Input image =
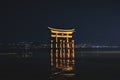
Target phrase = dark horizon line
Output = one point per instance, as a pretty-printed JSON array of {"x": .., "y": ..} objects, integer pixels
[{"x": 76, "y": 42}]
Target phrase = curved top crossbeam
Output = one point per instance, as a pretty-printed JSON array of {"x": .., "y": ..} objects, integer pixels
[{"x": 62, "y": 30}]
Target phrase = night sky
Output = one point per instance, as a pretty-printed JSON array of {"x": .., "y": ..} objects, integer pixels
[{"x": 28, "y": 20}]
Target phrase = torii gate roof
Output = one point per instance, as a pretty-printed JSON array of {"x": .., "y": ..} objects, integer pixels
[{"x": 62, "y": 30}]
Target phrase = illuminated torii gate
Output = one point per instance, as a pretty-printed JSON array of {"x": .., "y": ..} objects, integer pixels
[{"x": 62, "y": 48}]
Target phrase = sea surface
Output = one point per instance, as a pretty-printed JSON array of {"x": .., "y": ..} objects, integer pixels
[{"x": 89, "y": 65}]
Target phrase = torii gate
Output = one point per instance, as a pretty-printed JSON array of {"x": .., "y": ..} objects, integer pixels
[{"x": 62, "y": 48}]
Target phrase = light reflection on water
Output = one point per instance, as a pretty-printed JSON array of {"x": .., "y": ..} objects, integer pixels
[{"x": 62, "y": 65}]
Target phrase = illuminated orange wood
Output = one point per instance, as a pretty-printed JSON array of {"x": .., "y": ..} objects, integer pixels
[{"x": 62, "y": 48}]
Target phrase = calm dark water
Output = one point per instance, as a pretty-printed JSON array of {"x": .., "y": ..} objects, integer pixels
[
  {"x": 95, "y": 65},
  {"x": 88, "y": 66},
  {"x": 25, "y": 68}
]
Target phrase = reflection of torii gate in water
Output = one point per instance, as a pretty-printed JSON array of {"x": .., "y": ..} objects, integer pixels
[{"x": 62, "y": 49}]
